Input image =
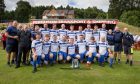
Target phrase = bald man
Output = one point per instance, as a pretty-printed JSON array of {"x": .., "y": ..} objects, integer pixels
[
  {"x": 118, "y": 43},
  {"x": 128, "y": 42},
  {"x": 12, "y": 42}
]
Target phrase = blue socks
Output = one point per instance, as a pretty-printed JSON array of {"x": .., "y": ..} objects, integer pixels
[{"x": 34, "y": 64}]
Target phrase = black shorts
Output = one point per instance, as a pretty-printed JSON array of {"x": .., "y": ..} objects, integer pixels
[
  {"x": 118, "y": 47},
  {"x": 127, "y": 50},
  {"x": 11, "y": 48}
]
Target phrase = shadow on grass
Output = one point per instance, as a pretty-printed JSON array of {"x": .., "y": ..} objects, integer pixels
[{"x": 67, "y": 68}]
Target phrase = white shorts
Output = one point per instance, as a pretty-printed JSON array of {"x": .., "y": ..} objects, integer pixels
[{"x": 111, "y": 47}]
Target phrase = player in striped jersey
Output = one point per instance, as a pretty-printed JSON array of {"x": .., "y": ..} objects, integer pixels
[
  {"x": 71, "y": 33},
  {"x": 62, "y": 32},
  {"x": 34, "y": 32},
  {"x": 37, "y": 51},
  {"x": 81, "y": 45},
  {"x": 88, "y": 33},
  {"x": 72, "y": 54},
  {"x": 79, "y": 32},
  {"x": 53, "y": 32},
  {"x": 96, "y": 33},
  {"x": 103, "y": 50},
  {"x": 46, "y": 50},
  {"x": 45, "y": 31},
  {"x": 54, "y": 49},
  {"x": 103, "y": 32},
  {"x": 92, "y": 51},
  {"x": 63, "y": 44}
]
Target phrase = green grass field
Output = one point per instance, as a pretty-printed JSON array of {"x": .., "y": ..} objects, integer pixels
[{"x": 120, "y": 74}]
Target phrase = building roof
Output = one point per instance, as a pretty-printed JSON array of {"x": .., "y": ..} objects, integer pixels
[{"x": 59, "y": 12}]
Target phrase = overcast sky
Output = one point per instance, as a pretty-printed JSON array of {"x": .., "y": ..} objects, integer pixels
[{"x": 101, "y": 4}]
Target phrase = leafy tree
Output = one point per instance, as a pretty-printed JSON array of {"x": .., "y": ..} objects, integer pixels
[
  {"x": 22, "y": 11},
  {"x": 2, "y": 7},
  {"x": 131, "y": 17},
  {"x": 117, "y": 7}
]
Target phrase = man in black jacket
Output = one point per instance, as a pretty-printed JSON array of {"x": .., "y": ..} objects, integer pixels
[
  {"x": 24, "y": 45},
  {"x": 118, "y": 43},
  {"x": 128, "y": 42}
]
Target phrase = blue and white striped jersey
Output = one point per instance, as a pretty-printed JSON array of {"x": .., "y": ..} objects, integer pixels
[
  {"x": 88, "y": 34},
  {"x": 37, "y": 45},
  {"x": 103, "y": 46},
  {"x": 72, "y": 34},
  {"x": 78, "y": 33},
  {"x": 71, "y": 49},
  {"x": 62, "y": 32},
  {"x": 44, "y": 32},
  {"x": 81, "y": 46},
  {"x": 92, "y": 47},
  {"x": 63, "y": 46},
  {"x": 52, "y": 33},
  {"x": 54, "y": 46},
  {"x": 46, "y": 47}
]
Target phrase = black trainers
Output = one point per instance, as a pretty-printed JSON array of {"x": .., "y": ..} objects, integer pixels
[
  {"x": 35, "y": 70},
  {"x": 24, "y": 63},
  {"x": 17, "y": 66}
]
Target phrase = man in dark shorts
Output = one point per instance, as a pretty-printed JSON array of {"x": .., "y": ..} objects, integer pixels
[
  {"x": 12, "y": 42},
  {"x": 23, "y": 45},
  {"x": 117, "y": 43},
  {"x": 128, "y": 42}
]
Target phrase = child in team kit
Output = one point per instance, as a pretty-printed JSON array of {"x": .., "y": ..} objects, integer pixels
[
  {"x": 92, "y": 51},
  {"x": 63, "y": 44},
  {"x": 54, "y": 49},
  {"x": 81, "y": 46},
  {"x": 110, "y": 40},
  {"x": 36, "y": 51},
  {"x": 72, "y": 54}
]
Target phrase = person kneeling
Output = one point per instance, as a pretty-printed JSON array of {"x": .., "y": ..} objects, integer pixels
[{"x": 37, "y": 52}]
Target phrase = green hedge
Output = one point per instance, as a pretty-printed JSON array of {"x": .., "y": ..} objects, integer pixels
[{"x": 131, "y": 17}]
